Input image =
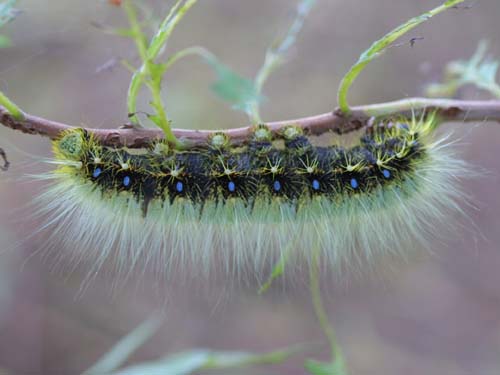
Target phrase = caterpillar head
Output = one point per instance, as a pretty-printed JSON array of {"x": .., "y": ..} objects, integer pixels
[{"x": 71, "y": 145}]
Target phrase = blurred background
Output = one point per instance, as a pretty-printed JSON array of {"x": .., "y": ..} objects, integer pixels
[{"x": 435, "y": 315}]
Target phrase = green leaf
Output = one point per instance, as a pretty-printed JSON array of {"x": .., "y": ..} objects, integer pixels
[
  {"x": 234, "y": 359},
  {"x": 124, "y": 32},
  {"x": 188, "y": 362},
  {"x": 245, "y": 94},
  {"x": 233, "y": 88},
  {"x": 151, "y": 73},
  {"x": 125, "y": 347},
  {"x": 379, "y": 46},
  {"x": 179, "y": 364},
  {"x": 479, "y": 70},
  {"x": 177, "y": 12},
  {"x": 275, "y": 54},
  {"x": 324, "y": 368},
  {"x": 184, "y": 363},
  {"x": 7, "y": 12},
  {"x": 4, "y": 41}
]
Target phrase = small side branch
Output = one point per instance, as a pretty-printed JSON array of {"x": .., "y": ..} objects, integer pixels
[{"x": 336, "y": 121}]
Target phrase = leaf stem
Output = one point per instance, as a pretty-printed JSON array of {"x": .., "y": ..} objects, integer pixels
[
  {"x": 235, "y": 360},
  {"x": 190, "y": 51},
  {"x": 138, "y": 77},
  {"x": 319, "y": 310},
  {"x": 12, "y": 108},
  {"x": 279, "y": 267}
]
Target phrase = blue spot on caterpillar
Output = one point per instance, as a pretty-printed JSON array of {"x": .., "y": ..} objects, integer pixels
[
  {"x": 179, "y": 186},
  {"x": 315, "y": 185},
  {"x": 290, "y": 194},
  {"x": 97, "y": 172},
  {"x": 354, "y": 183},
  {"x": 126, "y": 181}
]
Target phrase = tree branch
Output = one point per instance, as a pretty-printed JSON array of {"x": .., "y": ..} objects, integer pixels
[{"x": 336, "y": 121}]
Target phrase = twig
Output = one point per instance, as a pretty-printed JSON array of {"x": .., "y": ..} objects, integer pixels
[
  {"x": 6, "y": 163},
  {"x": 450, "y": 110}
]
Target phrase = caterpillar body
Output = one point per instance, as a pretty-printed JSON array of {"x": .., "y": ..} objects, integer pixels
[{"x": 247, "y": 205}]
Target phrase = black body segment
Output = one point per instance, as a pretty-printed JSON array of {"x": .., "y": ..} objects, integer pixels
[{"x": 294, "y": 172}]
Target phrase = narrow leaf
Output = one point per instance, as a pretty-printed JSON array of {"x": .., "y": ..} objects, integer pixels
[
  {"x": 190, "y": 362},
  {"x": 168, "y": 25},
  {"x": 324, "y": 368},
  {"x": 178, "y": 364},
  {"x": 379, "y": 46},
  {"x": 125, "y": 347},
  {"x": 233, "y": 88}
]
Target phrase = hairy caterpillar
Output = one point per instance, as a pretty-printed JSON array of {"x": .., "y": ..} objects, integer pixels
[{"x": 248, "y": 204}]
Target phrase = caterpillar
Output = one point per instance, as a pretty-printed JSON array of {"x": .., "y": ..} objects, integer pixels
[{"x": 247, "y": 205}]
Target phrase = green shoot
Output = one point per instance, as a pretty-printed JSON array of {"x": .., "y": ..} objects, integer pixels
[
  {"x": 244, "y": 94},
  {"x": 275, "y": 55},
  {"x": 479, "y": 70},
  {"x": 279, "y": 268},
  {"x": 379, "y": 47},
  {"x": 151, "y": 72},
  {"x": 278, "y": 271},
  {"x": 13, "y": 109},
  {"x": 337, "y": 364}
]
